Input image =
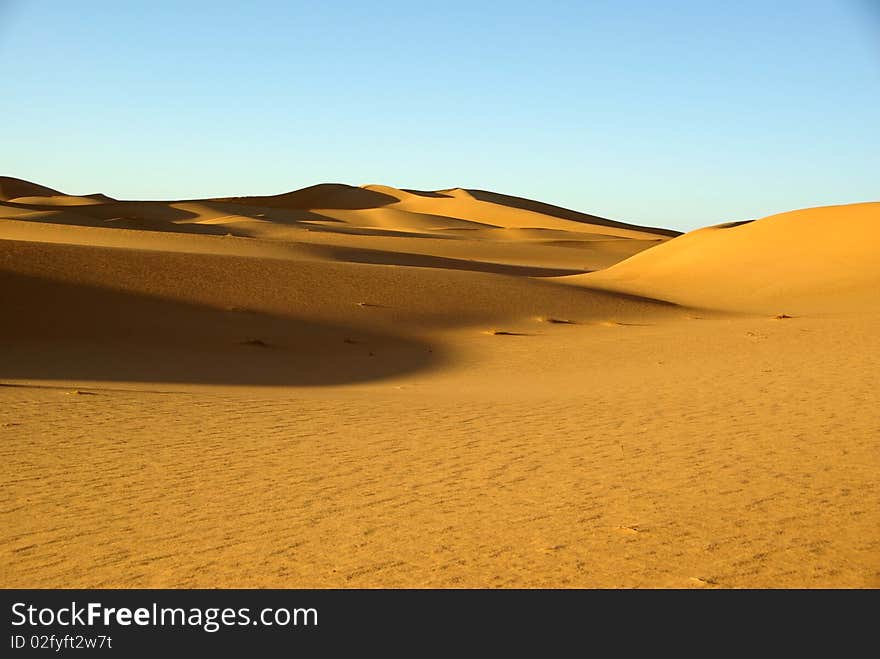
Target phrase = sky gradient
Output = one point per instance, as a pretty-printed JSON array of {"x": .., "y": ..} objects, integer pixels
[{"x": 678, "y": 114}]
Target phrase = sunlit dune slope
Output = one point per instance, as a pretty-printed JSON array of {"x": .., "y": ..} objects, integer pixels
[{"x": 805, "y": 261}]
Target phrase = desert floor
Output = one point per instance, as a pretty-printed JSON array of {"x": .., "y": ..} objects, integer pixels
[{"x": 370, "y": 387}]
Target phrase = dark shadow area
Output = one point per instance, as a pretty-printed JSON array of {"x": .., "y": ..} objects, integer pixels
[
  {"x": 562, "y": 213},
  {"x": 379, "y": 257},
  {"x": 101, "y": 197},
  {"x": 591, "y": 243},
  {"x": 364, "y": 231},
  {"x": 11, "y": 187},
  {"x": 160, "y": 216},
  {"x": 139, "y": 224},
  {"x": 52, "y": 330},
  {"x": 159, "y": 211},
  {"x": 732, "y": 225},
  {"x": 143, "y": 211},
  {"x": 632, "y": 297},
  {"x": 102, "y": 216},
  {"x": 428, "y": 193},
  {"x": 324, "y": 195}
]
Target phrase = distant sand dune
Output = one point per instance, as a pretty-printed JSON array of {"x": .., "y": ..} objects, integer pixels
[
  {"x": 323, "y": 195},
  {"x": 452, "y": 224}
]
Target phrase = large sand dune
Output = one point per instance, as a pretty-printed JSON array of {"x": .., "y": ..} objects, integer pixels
[
  {"x": 815, "y": 260},
  {"x": 367, "y": 386}
]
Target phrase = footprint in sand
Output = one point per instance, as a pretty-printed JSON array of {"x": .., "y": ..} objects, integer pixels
[
  {"x": 555, "y": 321},
  {"x": 619, "y": 323},
  {"x": 629, "y": 530},
  {"x": 553, "y": 549},
  {"x": 258, "y": 343}
]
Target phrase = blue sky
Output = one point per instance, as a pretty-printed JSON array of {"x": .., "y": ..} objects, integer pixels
[{"x": 680, "y": 113}]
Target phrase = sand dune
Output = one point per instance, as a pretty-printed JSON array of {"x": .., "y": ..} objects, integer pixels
[
  {"x": 476, "y": 206},
  {"x": 368, "y": 386},
  {"x": 814, "y": 260},
  {"x": 444, "y": 210},
  {"x": 11, "y": 188},
  {"x": 63, "y": 200},
  {"x": 447, "y": 224}
]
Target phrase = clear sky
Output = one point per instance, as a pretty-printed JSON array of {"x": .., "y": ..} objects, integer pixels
[{"x": 679, "y": 113}]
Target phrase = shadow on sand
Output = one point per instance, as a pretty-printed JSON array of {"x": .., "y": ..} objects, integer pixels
[{"x": 52, "y": 330}]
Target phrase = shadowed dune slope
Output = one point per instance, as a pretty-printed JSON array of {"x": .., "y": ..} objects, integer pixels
[
  {"x": 556, "y": 211},
  {"x": 11, "y": 188},
  {"x": 57, "y": 330},
  {"x": 323, "y": 195},
  {"x": 805, "y": 261}
]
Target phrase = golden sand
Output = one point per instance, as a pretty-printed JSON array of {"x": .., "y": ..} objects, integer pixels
[{"x": 372, "y": 387}]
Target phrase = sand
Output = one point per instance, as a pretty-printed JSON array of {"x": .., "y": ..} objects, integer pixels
[{"x": 370, "y": 387}]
